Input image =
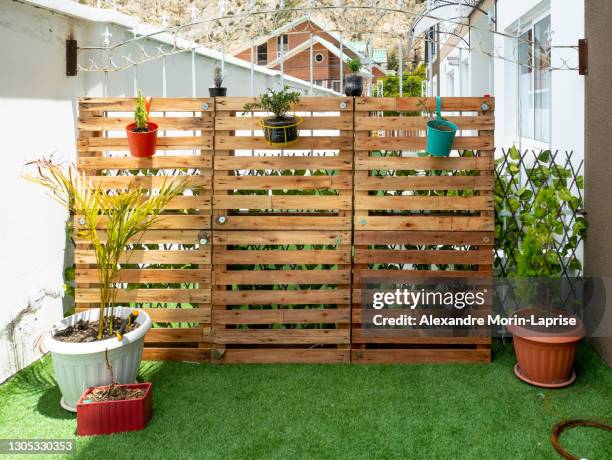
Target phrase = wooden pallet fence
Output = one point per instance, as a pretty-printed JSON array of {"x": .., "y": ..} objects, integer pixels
[
  {"x": 420, "y": 216},
  {"x": 282, "y": 236},
  {"x": 169, "y": 274}
]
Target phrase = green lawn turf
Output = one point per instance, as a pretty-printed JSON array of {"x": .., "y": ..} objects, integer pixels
[{"x": 332, "y": 411}]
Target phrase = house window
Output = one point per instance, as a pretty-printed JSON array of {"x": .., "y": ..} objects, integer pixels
[
  {"x": 336, "y": 86},
  {"x": 319, "y": 57},
  {"x": 262, "y": 54},
  {"x": 534, "y": 81},
  {"x": 282, "y": 44}
]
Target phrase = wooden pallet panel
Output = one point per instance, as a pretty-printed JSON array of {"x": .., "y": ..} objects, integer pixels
[
  {"x": 424, "y": 217},
  {"x": 282, "y": 218},
  {"x": 169, "y": 274}
]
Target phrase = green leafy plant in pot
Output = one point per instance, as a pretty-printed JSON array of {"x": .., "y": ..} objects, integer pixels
[
  {"x": 142, "y": 134},
  {"x": 111, "y": 222},
  {"x": 280, "y": 129},
  {"x": 545, "y": 355},
  {"x": 354, "y": 82},
  {"x": 218, "y": 89}
]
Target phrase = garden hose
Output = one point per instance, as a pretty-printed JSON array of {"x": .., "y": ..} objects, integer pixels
[
  {"x": 566, "y": 424},
  {"x": 127, "y": 322}
]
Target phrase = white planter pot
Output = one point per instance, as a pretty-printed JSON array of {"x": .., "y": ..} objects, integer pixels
[{"x": 79, "y": 366}]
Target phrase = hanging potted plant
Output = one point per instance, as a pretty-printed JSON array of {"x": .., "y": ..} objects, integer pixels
[
  {"x": 440, "y": 132},
  {"x": 280, "y": 129},
  {"x": 218, "y": 89},
  {"x": 78, "y": 343},
  {"x": 545, "y": 354},
  {"x": 142, "y": 134},
  {"x": 354, "y": 82}
]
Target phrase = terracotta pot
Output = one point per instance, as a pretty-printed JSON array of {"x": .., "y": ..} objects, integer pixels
[
  {"x": 142, "y": 144},
  {"x": 545, "y": 359}
]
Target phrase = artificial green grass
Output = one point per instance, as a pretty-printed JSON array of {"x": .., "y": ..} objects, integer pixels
[{"x": 332, "y": 411}]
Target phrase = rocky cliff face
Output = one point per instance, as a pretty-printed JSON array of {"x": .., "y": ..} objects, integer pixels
[{"x": 385, "y": 29}]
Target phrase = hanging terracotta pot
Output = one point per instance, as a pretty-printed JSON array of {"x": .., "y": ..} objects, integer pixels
[{"x": 143, "y": 143}]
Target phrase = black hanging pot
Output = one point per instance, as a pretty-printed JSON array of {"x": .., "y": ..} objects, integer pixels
[
  {"x": 354, "y": 85},
  {"x": 214, "y": 91},
  {"x": 281, "y": 131}
]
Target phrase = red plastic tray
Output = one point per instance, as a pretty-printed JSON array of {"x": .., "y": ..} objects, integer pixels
[{"x": 115, "y": 416}]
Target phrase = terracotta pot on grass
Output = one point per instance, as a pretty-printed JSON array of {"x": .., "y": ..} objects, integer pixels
[
  {"x": 142, "y": 143},
  {"x": 545, "y": 359},
  {"x": 108, "y": 417}
]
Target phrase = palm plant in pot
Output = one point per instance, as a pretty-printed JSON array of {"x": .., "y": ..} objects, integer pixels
[
  {"x": 545, "y": 354},
  {"x": 354, "y": 82},
  {"x": 280, "y": 129},
  {"x": 218, "y": 89},
  {"x": 142, "y": 134},
  {"x": 78, "y": 343}
]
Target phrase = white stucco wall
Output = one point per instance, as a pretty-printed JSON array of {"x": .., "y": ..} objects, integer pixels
[{"x": 37, "y": 117}]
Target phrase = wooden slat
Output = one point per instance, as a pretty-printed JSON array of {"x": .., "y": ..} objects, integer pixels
[
  {"x": 149, "y": 275},
  {"x": 163, "y": 143},
  {"x": 281, "y": 182},
  {"x": 419, "y": 203},
  {"x": 167, "y": 222},
  {"x": 418, "y": 122},
  {"x": 187, "y": 123},
  {"x": 424, "y": 183},
  {"x": 174, "y": 335},
  {"x": 412, "y": 104},
  {"x": 196, "y": 355},
  {"x": 422, "y": 355},
  {"x": 307, "y": 104},
  {"x": 283, "y": 316},
  {"x": 284, "y": 355},
  {"x": 147, "y": 295},
  {"x": 422, "y": 237},
  {"x": 149, "y": 182},
  {"x": 156, "y": 162},
  {"x": 414, "y": 163},
  {"x": 283, "y": 277},
  {"x": 160, "y": 236},
  {"x": 280, "y": 202},
  {"x": 309, "y": 123},
  {"x": 435, "y": 223},
  {"x": 418, "y": 143},
  {"x": 282, "y": 162},
  {"x": 294, "y": 297},
  {"x": 158, "y": 104},
  {"x": 150, "y": 257},
  {"x": 281, "y": 237},
  {"x": 302, "y": 143},
  {"x": 282, "y": 336},
  {"x": 297, "y": 222},
  {"x": 300, "y": 257},
  {"x": 414, "y": 256}
]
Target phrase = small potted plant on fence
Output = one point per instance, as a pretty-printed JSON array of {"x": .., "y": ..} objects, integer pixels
[
  {"x": 440, "y": 132},
  {"x": 280, "y": 129},
  {"x": 114, "y": 408},
  {"x": 142, "y": 134},
  {"x": 78, "y": 343},
  {"x": 218, "y": 89},
  {"x": 354, "y": 82},
  {"x": 545, "y": 354}
]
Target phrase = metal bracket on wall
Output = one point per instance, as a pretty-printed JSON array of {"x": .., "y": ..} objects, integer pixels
[
  {"x": 71, "y": 57},
  {"x": 583, "y": 56}
]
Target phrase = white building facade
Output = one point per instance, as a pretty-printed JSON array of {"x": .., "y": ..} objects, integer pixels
[{"x": 519, "y": 52}]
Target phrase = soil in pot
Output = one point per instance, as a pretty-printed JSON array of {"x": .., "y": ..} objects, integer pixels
[
  {"x": 441, "y": 126},
  {"x": 87, "y": 331},
  {"x": 115, "y": 393},
  {"x": 281, "y": 130}
]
